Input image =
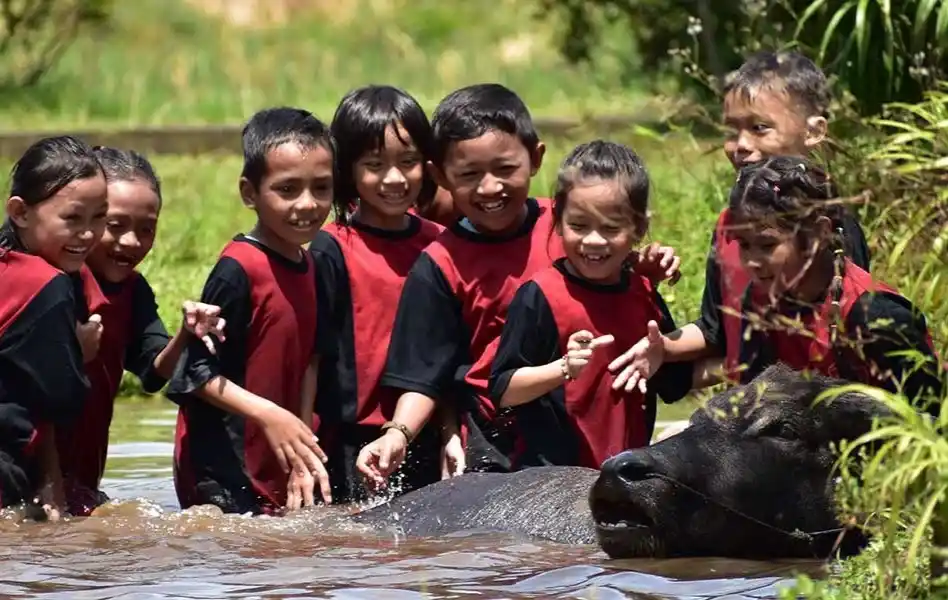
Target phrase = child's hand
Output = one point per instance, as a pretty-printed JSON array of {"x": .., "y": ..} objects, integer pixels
[
  {"x": 580, "y": 348},
  {"x": 299, "y": 490},
  {"x": 203, "y": 320},
  {"x": 453, "y": 461},
  {"x": 89, "y": 334},
  {"x": 382, "y": 457},
  {"x": 658, "y": 263},
  {"x": 640, "y": 362},
  {"x": 295, "y": 445}
]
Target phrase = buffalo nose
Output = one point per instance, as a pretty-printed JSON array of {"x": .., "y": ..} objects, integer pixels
[{"x": 631, "y": 465}]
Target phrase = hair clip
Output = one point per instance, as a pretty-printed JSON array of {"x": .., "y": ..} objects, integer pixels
[
  {"x": 776, "y": 189},
  {"x": 802, "y": 167}
]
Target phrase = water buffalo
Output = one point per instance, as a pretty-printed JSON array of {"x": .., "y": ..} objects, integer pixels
[{"x": 751, "y": 477}]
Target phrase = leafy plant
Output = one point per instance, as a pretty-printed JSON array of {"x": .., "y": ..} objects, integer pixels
[{"x": 34, "y": 34}]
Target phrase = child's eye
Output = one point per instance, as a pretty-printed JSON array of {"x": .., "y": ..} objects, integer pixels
[
  {"x": 761, "y": 128},
  {"x": 373, "y": 165}
]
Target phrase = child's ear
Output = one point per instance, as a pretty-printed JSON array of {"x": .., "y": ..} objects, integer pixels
[
  {"x": 18, "y": 211},
  {"x": 816, "y": 130},
  {"x": 437, "y": 174},
  {"x": 248, "y": 192},
  {"x": 536, "y": 158}
]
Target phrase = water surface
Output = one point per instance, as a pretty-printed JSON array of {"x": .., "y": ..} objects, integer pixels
[{"x": 148, "y": 548}]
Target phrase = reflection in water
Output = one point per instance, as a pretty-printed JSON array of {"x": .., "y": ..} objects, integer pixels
[{"x": 142, "y": 546}]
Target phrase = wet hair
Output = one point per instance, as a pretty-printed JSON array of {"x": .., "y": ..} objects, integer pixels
[
  {"x": 47, "y": 166},
  {"x": 472, "y": 111},
  {"x": 787, "y": 192},
  {"x": 606, "y": 161},
  {"x": 359, "y": 127},
  {"x": 783, "y": 71},
  {"x": 128, "y": 165},
  {"x": 271, "y": 127}
]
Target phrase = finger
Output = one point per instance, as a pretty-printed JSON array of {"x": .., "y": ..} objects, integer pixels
[
  {"x": 622, "y": 360},
  {"x": 643, "y": 385},
  {"x": 675, "y": 265},
  {"x": 668, "y": 256},
  {"x": 309, "y": 498},
  {"x": 385, "y": 458},
  {"x": 582, "y": 337},
  {"x": 293, "y": 461},
  {"x": 621, "y": 378},
  {"x": 97, "y": 319},
  {"x": 312, "y": 442},
  {"x": 459, "y": 465},
  {"x": 632, "y": 382},
  {"x": 308, "y": 460},
  {"x": 603, "y": 340},
  {"x": 292, "y": 497},
  {"x": 577, "y": 355},
  {"x": 209, "y": 343},
  {"x": 654, "y": 333},
  {"x": 322, "y": 480}
]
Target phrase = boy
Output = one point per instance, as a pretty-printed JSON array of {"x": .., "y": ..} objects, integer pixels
[
  {"x": 454, "y": 302},
  {"x": 239, "y": 429},
  {"x": 775, "y": 104}
]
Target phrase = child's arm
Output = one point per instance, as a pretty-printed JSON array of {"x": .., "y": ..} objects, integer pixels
[
  {"x": 150, "y": 354},
  {"x": 895, "y": 337},
  {"x": 528, "y": 363},
  {"x": 427, "y": 345},
  {"x": 199, "y": 374},
  {"x": 52, "y": 495}
]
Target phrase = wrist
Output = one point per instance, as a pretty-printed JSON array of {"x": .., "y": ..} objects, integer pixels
[
  {"x": 563, "y": 364},
  {"x": 394, "y": 428}
]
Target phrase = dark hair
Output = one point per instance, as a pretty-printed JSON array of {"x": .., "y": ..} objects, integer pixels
[
  {"x": 788, "y": 192},
  {"x": 607, "y": 161},
  {"x": 791, "y": 72},
  {"x": 47, "y": 166},
  {"x": 472, "y": 111},
  {"x": 127, "y": 165},
  {"x": 359, "y": 127},
  {"x": 272, "y": 127}
]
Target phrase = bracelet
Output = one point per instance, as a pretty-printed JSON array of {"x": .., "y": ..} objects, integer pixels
[
  {"x": 564, "y": 367},
  {"x": 403, "y": 428}
]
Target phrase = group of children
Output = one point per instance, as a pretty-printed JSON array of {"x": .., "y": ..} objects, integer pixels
[{"x": 324, "y": 359}]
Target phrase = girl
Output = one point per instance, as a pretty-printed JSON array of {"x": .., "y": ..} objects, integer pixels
[
  {"x": 55, "y": 214},
  {"x": 133, "y": 336},
  {"x": 563, "y": 323},
  {"x": 384, "y": 140},
  {"x": 808, "y": 305}
]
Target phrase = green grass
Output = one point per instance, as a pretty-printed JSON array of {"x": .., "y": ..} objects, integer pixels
[{"x": 165, "y": 62}]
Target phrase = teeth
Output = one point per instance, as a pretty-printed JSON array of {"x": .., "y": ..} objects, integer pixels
[
  {"x": 492, "y": 206},
  {"x": 595, "y": 258},
  {"x": 301, "y": 224},
  {"x": 75, "y": 249}
]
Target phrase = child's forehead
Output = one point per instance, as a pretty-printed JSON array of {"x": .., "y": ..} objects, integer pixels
[
  {"x": 493, "y": 144},
  {"x": 293, "y": 155},
  {"x": 771, "y": 99}
]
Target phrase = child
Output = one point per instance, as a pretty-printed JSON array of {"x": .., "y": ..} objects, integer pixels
[
  {"x": 383, "y": 140},
  {"x": 133, "y": 336},
  {"x": 55, "y": 214},
  {"x": 454, "y": 301},
  {"x": 239, "y": 424},
  {"x": 808, "y": 305},
  {"x": 563, "y": 323},
  {"x": 775, "y": 104}
]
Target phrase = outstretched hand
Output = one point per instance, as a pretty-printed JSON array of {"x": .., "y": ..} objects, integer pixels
[
  {"x": 580, "y": 348},
  {"x": 658, "y": 263},
  {"x": 203, "y": 320},
  {"x": 637, "y": 364}
]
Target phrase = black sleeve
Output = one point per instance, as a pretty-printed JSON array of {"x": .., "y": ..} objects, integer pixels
[
  {"x": 148, "y": 338},
  {"x": 429, "y": 339},
  {"x": 672, "y": 381},
  {"x": 41, "y": 356},
  {"x": 229, "y": 288},
  {"x": 891, "y": 324},
  {"x": 855, "y": 240},
  {"x": 709, "y": 322},
  {"x": 330, "y": 267},
  {"x": 529, "y": 339}
]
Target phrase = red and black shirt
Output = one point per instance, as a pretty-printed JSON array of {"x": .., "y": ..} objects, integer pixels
[
  {"x": 268, "y": 302},
  {"x": 453, "y": 307},
  {"x": 876, "y": 324},
  {"x": 585, "y": 421},
  {"x": 42, "y": 380},
  {"x": 132, "y": 337},
  {"x": 726, "y": 279}
]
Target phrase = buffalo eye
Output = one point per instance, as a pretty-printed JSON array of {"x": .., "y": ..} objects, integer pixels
[{"x": 781, "y": 430}]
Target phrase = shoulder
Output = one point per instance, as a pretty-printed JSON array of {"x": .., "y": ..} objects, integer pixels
[
  {"x": 429, "y": 230},
  {"x": 29, "y": 271},
  {"x": 885, "y": 310},
  {"x": 326, "y": 243}
]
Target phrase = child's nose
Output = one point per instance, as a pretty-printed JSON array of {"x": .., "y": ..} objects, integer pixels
[
  {"x": 489, "y": 186},
  {"x": 393, "y": 176}
]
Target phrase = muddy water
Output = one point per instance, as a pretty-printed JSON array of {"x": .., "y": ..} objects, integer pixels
[{"x": 147, "y": 548}]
